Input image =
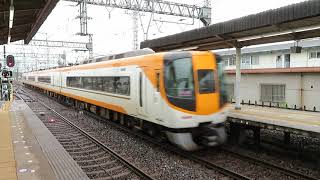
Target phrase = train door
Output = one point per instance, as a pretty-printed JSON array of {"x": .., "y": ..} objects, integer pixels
[
  {"x": 60, "y": 83},
  {"x": 142, "y": 94},
  {"x": 156, "y": 101}
]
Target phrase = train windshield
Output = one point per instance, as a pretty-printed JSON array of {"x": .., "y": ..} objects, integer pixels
[{"x": 179, "y": 83}]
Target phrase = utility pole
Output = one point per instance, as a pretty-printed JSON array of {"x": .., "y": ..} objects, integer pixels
[
  {"x": 135, "y": 30},
  {"x": 48, "y": 61},
  {"x": 206, "y": 13},
  {"x": 4, "y": 56},
  {"x": 84, "y": 26},
  {"x": 207, "y": 3},
  {"x": 149, "y": 6}
]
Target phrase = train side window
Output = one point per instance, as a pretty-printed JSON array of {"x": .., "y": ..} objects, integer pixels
[
  {"x": 87, "y": 82},
  {"x": 115, "y": 85},
  {"x": 104, "y": 84},
  {"x": 99, "y": 83},
  {"x": 77, "y": 82},
  {"x": 31, "y": 78},
  {"x": 158, "y": 81},
  {"x": 94, "y": 83},
  {"x": 206, "y": 81},
  {"x": 123, "y": 85},
  {"x": 44, "y": 79},
  {"x": 68, "y": 81},
  {"x": 109, "y": 84},
  {"x": 73, "y": 81}
]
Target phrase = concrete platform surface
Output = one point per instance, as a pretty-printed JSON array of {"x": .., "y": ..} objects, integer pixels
[
  {"x": 7, "y": 160},
  {"x": 35, "y": 152},
  {"x": 300, "y": 120}
]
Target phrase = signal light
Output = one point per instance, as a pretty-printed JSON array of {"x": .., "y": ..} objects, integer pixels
[
  {"x": 10, "y": 61},
  {"x": 7, "y": 74}
]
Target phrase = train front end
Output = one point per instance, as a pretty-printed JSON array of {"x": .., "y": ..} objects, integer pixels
[{"x": 194, "y": 88}]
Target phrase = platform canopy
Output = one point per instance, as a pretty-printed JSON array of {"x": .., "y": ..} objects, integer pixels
[
  {"x": 293, "y": 22},
  {"x": 26, "y": 15}
]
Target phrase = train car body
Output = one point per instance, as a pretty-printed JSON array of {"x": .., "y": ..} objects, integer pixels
[{"x": 178, "y": 93}]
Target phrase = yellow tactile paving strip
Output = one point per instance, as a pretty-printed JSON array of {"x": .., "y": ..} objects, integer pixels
[
  {"x": 7, "y": 160},
  {"x": 278, "y": 116}
]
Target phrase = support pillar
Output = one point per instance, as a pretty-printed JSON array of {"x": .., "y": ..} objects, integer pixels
[{"x": 238, "y": 78}]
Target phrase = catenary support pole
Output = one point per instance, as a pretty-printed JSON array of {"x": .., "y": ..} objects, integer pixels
[{"x": 238, "y": 78}]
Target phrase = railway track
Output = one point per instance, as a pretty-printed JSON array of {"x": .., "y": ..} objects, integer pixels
[
  {"x": 260, "y": 162},
  {"x": 96, "y": 160},
  {"x": 205, "y": 159},
  {"x": 185, "y": 154}
]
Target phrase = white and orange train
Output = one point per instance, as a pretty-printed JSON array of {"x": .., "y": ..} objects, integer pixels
[{"x": 176, "y": 94}]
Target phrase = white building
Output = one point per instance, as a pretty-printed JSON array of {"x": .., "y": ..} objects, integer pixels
[{"x": 273, "y": 74}]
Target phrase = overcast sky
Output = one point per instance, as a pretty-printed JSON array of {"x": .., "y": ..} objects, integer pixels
[
  {"x": 112, "y": 29},
  {"x": 112, "y": 34},
  {"x": 229, "y": 9}
]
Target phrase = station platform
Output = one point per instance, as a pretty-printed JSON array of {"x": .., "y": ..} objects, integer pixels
[
  {"x": 293, "y": 121},
  {"x": 28, "y": 150}
]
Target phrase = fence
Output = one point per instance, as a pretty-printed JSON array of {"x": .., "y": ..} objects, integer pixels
[{"x": 280, "y": 105}]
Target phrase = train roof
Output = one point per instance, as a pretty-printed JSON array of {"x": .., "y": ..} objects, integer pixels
[{"x": 134, "y": 53}]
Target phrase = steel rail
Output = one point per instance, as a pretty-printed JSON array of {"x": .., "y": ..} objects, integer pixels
[
  {"x": 128, "y": 164},
  {"x": 270, "y": 165},
  {"x": 185, "y": 154},
  {"x": 205, "y": 162}
]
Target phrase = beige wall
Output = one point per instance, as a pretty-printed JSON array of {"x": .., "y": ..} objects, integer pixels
[
  {"x": 311, "y": 96},
  {"x": 250, "y": 87},
  {"x": 268, "y": 59}
]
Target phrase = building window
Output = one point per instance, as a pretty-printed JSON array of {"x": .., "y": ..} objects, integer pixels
[
  {"x": 273, "y": 93},
  {"x": 232, "y": 61},
  {"x": 116, "y": 85},
  {"x": 255, "y": 60},
  {"x": 279, "y": 62},
  {"x": 287, "y": 60},
  {"x": 229, "y": 61},
  {"x": 226, "y": 62},
  {"x": 314, "y": 55},
  {"x": 246, "y": 62}
]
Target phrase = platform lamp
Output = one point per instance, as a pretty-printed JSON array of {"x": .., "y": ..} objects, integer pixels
[
  {"x": 296, "y": 48},
  {"x": 11, "y": 14}
]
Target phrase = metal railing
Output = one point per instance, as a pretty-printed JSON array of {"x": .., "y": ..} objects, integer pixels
[{"x": 281, "y": 105}]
